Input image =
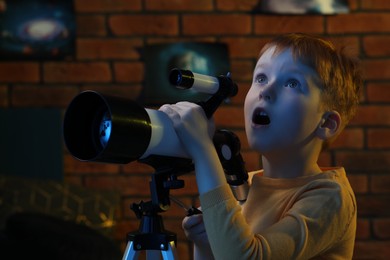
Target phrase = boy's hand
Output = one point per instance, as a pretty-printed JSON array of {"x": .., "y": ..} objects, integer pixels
[
  {"x": 191, "y": 125},
  {"x": 195, "y": 231}
]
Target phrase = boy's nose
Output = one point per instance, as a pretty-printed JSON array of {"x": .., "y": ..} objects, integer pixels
[
  {"x": 267, "y": 93},
  {"x": 264, "y": 96}
]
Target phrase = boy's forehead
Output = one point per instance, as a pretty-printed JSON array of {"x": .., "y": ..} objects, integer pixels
[
  {"x": 283, "y": 59},
  {"x": 283, "y": 56},
  {"x": 272, "y": 57},
  {"x": 273, "y": 52},
  {"x": 267, "y": 54}
]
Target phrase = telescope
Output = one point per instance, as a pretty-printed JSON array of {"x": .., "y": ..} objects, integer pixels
[{"x": 112, "y": 129}]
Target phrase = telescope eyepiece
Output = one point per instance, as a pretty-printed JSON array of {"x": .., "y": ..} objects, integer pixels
[
  {"x": 186, "y": 79},
  {"x": 183, "y": 79}
]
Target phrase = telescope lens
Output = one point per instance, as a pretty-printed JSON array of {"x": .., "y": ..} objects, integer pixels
[
  {"x": 176, "y": 78},
  {"x": 105, "y": 129}
]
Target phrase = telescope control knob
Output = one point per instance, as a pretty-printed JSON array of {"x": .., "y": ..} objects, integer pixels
[{"x": 173, "y": 184}]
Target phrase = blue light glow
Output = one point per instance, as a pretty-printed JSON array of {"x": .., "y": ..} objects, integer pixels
[{"x": 105, "y": 129}]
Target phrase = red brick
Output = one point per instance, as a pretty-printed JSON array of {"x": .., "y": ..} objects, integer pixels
[
  {"x": 359, "y": 183},
  {"x": 229, "y": 117},
  {"x": 376, "y": 45},
  {"x": 216, "y": 24},
  {"x": 351, "y": 44},
  {"x": 129, "y": 72},
  {"x": 378, "y": 92},
  {"x": 353, "y": 5},
  {"x": 144, "y": 25},
  {"x": 243, "y": 88},
  {"x": 325, "y": 159},
  {"x": 349, "y": 138},
  {"x": 76, "y": 72},
  {"x": 190, "y": 186},
  {"x": 74, "y": 166},
  {"x": 277, "y": 24},
  {"x": 363, "y": 160},
  {"x": 184, "y": 249},
  {"x": 378, "y": 250},
  {"x": 91, "y": 25},
  {"x": 372, "y": 115},
  {"x": 252, "y": 160},
  {"x": 108, "y": 48},
  {"x": 174, "y": 225},
  {"x": 376, "y": 69},
  {"x": 128, "y": 91},
  {"x": 179, "y": 5},
  {"x": 159, "y": 40},
  {"x": 373, "y": 205},
  {"x": 233, "y": 5},
  {"x": 381, "y": 227},
  {"x": 244, "y": 47},
  {"x": 243, "y": 140},
  {"x": 19, "y": 72},
  {"x": 124, "y": 226},
  {"x": 137, "y": 167},
  {"x": 378, "y": 138},
  {"x": 380, "y": 183},
  {"x": 38, "y": 96},
  {"x": 73, "y": 180},
  {"x": 127, "y": 185},
  {"x": 104, "y": 6},
  {"x": 242, "y": 70},
  {"x": 363, "y": 229},
  {"x": 3, "y": 96},
  {"x": 379, "y": 5},
  {"x": 358, "y": 23}
]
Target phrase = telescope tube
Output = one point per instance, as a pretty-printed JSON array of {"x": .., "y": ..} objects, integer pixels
[{"x": 116, "y": 130}]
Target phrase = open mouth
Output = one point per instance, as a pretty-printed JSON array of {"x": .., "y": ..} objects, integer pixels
[{"x": 260, "y": 117}]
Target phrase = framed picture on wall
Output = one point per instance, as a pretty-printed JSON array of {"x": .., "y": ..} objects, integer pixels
[
  {"x": 327, "y": 7},
  {"x": 36, "y": 29}
]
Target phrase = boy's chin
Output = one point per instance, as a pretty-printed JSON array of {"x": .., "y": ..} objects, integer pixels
[
  {"x": 260, "y": 146},
  {"x": 267, "y": 147}
]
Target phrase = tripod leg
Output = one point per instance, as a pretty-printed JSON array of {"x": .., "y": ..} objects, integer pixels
[
  {"x": 170, "y": 254},
  {"x": 130, "y": 253}
]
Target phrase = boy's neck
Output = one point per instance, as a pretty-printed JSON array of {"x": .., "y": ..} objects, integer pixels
[{"x": 290, "y": 165}]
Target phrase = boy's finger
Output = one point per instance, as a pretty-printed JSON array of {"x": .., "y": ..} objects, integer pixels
[{"x": 190, "y": 221}]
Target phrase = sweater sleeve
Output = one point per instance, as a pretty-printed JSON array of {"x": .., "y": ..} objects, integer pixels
[{"x": 316, "y": 218}]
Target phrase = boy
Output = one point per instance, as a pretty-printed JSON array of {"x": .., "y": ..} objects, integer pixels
[{"x": 303, "y": 93}]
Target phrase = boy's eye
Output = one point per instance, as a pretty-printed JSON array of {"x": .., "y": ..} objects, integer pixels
[
  {"x": 292, "y": 83},
  {"x": 261, "y": 79}
]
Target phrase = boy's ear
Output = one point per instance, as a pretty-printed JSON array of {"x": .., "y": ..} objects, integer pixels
[{"x": 329, "y": 125}]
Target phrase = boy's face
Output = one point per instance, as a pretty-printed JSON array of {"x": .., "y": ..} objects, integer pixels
[{"x": 282, "y": 107}]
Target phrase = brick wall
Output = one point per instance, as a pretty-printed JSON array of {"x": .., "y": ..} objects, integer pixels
[{"x": 108, "y": 36}]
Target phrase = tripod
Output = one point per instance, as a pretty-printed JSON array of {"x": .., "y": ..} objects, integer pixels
[{"x": 151, "y": 235}]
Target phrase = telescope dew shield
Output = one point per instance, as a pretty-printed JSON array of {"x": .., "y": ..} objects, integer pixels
[{"x": 106, "y": 129}]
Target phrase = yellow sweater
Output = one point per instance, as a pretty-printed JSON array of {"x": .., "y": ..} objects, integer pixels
[{"x": 301, "y": 218}]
